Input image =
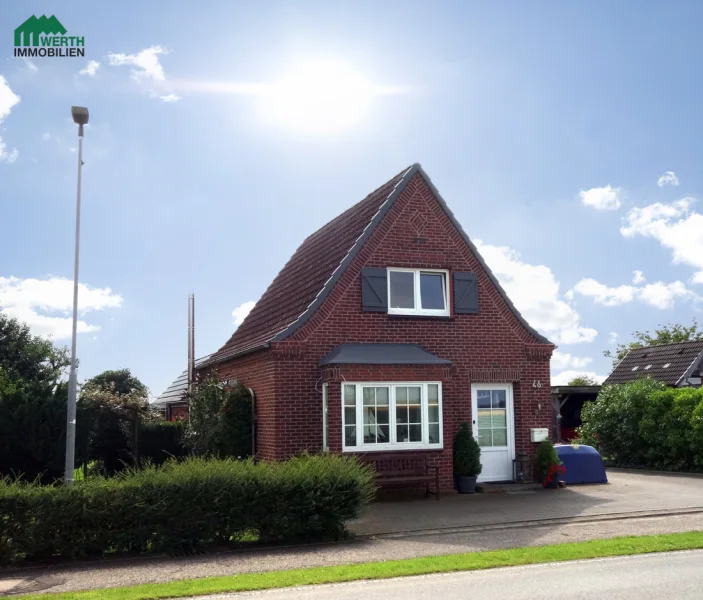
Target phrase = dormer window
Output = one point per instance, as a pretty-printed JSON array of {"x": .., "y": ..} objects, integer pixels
[{"x": 418, "y": 292}]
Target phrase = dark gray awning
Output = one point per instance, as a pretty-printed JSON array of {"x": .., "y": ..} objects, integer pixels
[{"x": 382, "y": 354}]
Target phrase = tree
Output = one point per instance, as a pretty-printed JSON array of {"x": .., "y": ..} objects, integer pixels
[
  {"x": 219, "y": 419},
  {"x": 672, "y": 333},
  {"x": 583, "y": 380},
  {"x": 116, "y": 402},
  {"x": 26, "y": 359},
  {"x": 32, "y": 403}
]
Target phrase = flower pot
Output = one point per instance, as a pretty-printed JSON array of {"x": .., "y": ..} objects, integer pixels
[
  {"x": 553, "y": 484},
  {"x": 466, "y": 484}
]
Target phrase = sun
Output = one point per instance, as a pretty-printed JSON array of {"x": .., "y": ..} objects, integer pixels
[{"x": 321, "y": 97}]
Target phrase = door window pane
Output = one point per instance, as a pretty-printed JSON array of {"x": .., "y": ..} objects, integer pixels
[
  {"x": 492, "y": 417},
  {"x": 500, "y": 437},
  {"x": 432, "y": 291},
  {"x": 484, "y": 437},
  {"x": 402, "y": 289}
]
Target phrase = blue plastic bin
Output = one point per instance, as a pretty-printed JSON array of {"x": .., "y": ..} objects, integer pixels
[{"x": 583, "y": 464}]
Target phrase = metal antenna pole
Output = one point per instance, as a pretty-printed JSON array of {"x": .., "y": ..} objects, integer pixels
[{"x": 72, "y": 383}]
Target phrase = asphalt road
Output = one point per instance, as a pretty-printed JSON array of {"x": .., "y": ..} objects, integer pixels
[{"x": 669, "y": 575}]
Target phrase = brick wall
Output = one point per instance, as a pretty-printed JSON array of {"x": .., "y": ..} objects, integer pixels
[{"x": 489, "y": 346}]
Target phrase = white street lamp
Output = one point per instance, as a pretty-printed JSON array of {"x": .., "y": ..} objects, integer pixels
[{"x": 80, "y": 117}]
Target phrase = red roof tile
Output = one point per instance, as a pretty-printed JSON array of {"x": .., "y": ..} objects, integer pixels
[{"x": 304, "y": 276}]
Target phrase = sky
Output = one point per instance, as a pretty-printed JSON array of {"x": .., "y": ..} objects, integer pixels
[{"x": 565, "y": 136}]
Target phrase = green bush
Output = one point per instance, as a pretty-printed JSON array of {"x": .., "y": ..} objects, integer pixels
[
  {"x": 611, "y": 424},
  {"x": 467, "y": 454},
  {"x": 646, "y": 424},
  {"x": 161, "y": 440},
  {"x": 219, "y": 419},
  {"x": 182, "y": 507},
  {"x": 33, "y": 432},
  {"x": 545, "y": 458}
]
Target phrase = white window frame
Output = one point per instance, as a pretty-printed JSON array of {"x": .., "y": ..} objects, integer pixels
[
  {"x": 418, "y": 310},
  {"x": 393, "y": 444},
  {"x": 325, "y": 418}
]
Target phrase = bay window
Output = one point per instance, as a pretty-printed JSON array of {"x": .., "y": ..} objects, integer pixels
[{"x": 396, "y": 416}]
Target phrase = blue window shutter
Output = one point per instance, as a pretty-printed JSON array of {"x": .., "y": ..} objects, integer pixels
[
  {"x": 374, "y": 290},
  {"x": 465, "y": 293}
]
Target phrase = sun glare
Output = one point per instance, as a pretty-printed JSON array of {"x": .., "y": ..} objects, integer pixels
[{"x": 319, "y": 98}]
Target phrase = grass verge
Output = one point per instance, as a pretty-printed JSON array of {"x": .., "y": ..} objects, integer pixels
[{"x": 393, "y": 568}]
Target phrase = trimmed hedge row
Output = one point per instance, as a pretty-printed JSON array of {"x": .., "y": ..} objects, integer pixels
[{"x": 183, "y": 507}]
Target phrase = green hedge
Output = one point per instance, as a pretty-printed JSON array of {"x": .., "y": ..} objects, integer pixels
[
  {"x": 646, "y": 424},
  {"x": 161, "y": 440},
  {"x": 183, "y": 507}
]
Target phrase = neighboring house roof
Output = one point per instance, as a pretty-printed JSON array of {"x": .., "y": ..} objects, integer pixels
[
  {"x": 309, "y": 276},
  {"x": 175, "y": 391},
  {"x": 670, "y": 363},
  {"x": 382, "y": 354}
]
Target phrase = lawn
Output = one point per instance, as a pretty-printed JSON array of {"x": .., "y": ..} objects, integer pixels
[{"x": 394, "y": 568}]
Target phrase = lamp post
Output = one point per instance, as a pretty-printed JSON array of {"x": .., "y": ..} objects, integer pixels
[{"x": 80, "y": 117}]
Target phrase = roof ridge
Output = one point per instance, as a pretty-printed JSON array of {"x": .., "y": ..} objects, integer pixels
[
  {"x": 403, "y": 175},
  {"x": 669, "y": 344},
  {"x": 353, "y": 206}
]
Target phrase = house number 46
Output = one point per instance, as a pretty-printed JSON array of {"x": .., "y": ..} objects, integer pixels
[{"x": 536, "y": 384}]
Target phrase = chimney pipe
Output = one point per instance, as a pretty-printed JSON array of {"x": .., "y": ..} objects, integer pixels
[{"x": 191, "y": 340}]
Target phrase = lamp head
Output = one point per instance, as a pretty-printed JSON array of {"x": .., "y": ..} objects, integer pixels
[{"x": 80, "y": 115}]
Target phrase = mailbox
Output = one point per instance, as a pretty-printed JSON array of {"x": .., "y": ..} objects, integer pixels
[{"x": 539, "y": 434}]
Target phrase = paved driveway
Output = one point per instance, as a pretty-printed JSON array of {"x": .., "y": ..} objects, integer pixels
[{"x": 627, "y": 492}]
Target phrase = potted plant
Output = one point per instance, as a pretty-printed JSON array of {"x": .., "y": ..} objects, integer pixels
[
  {"x": 547, "y": 465},
  {"x": 467, "y": 460}
]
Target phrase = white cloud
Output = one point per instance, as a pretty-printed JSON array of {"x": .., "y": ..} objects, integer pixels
[
  {"x": 46, "y": 136},
  {"x": 561, "y": 360},
  {"x": 659, "y": 294},
  {"x": 613, "y": 338},
  {"x": 8, "y": 99},
  {"x": 147, "y": 71},
  {"x": 638, "y": 277},
  {"x": 602, "y": 294},
  {"x": 675, "y": 226},
  {"x": 602, "y": 198},
  {"x": 535, "y": 292},
  {"x": 90, "y": 69},
  {"x": 146, "y": 63},
  {"x": 37, "y": 302},
  {"x": 30, "y": 65},
  {"x": 240, "y": 313},
  {"x": 669, "y": 178},
  {"x": 564, "y": 377}
]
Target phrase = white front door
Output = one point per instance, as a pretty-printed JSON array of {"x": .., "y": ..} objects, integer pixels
[{"x": 493, "y": 427}]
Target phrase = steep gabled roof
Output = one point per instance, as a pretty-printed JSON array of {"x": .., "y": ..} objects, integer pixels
[
  {"x": 308, "y": 277},
  {"x": 670, "y": 363}
]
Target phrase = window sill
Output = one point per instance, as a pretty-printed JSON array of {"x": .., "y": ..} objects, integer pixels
[
  {"x": 366, "y": 449},
  {"x": 393, "y": 317}
]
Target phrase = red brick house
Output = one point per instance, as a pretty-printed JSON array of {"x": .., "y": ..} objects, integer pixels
[{"x": 385, "y": 331}]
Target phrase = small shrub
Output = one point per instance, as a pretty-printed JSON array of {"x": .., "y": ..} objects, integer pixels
[
  {"x": 546, "y": 461},
  {"x": 467, "y": 454},
  {"x": 183, "y": 507}
]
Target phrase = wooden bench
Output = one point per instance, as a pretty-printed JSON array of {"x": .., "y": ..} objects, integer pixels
[{"x": 396, "y": 469}]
